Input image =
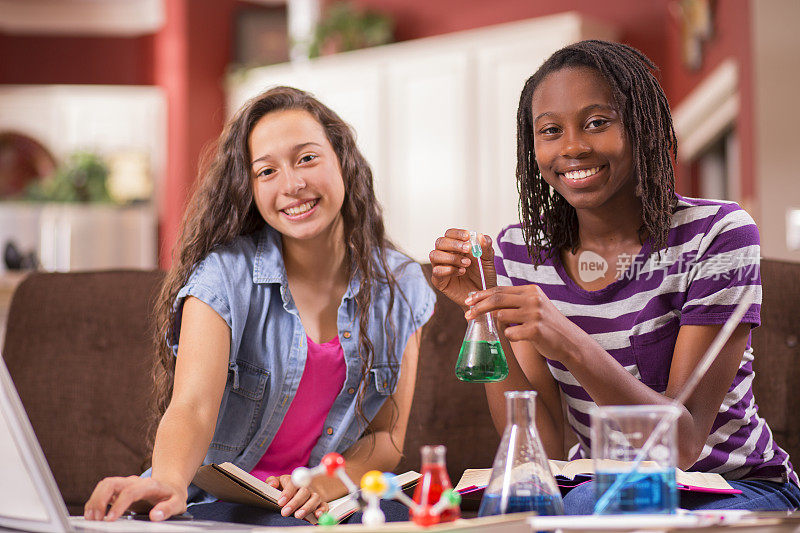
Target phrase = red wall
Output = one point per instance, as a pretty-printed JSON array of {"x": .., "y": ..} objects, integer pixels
[
  {"x": 90, "y": 60},
  {"x": 189, "y": 57},
  {"x": 732, "y": 38},
  {"x": 648, "y": 25}
]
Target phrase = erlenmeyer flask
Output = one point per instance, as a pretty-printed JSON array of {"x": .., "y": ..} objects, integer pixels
[
  {"x": 481, "y": 358},
  {"x": 434, "y": 481},
  {"x": 521, "y": 479}
]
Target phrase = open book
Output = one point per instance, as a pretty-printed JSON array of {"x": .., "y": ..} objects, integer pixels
[
  {"x": 230, "y": 483},
  {"x": 571, "y": 473}
]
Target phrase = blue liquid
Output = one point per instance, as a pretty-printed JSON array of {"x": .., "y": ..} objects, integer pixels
[
  {"x": 645, "y": 492},
  {"x": 543, "y": 504}
]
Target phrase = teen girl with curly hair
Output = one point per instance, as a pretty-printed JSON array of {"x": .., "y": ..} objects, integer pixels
[{"x": 288, "y": 324}]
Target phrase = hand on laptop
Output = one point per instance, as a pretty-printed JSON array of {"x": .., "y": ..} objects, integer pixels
[
  {"x": 122, "y": 493},
  {"x": 299, "y": 501}
]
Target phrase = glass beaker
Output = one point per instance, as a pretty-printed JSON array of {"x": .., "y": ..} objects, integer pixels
[
  {"x": 619, "y": 432},
  {"x": 434, "y": 481},
  {"x": 521, "y": 478},
  {"x": 481, "y": 358}
]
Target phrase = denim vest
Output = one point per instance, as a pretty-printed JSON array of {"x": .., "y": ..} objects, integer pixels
[{"x": 246, "y": 284}]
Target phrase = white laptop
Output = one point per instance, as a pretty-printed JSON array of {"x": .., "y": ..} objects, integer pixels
[{"x": 29, "y": 497}]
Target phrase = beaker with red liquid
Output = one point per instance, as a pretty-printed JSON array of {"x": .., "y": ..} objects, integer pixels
[{"x": 434, "y": 480}]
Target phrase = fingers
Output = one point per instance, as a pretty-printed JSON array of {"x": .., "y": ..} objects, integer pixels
[
  {"x": 120, "y": 493},
  {"x": 443, "y": 272},
  {"x": 322, "y": 508},
  {"x": 104, "y": 493},
  {"x": 458, "y": 234},
  {"x": 449, "y": 258},
  {"x": 520, "y": 332},
  {"x": 486, "y": 246},
  {"x": 512, "y": 304},
  {"x": 454, "y": 240},
  {"x": 457, "y": 241},
  {"x": 450, "y": 251},
  {"x": 492, "y": 300},
  {"x": 448, "y": 262},
  {"x": 452, "y": 254},
  {"x": 145, "y": 490},
  {"x": 167, "y": 508},
  {"x": 299, "y": 500},
  {"x": 305, "y": 507},
  {"x": 439, "y": 273},
  {"x": 287, "y": 495}
]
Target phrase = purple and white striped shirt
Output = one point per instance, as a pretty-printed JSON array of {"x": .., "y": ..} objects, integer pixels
[{"x": 711, "y": 263}]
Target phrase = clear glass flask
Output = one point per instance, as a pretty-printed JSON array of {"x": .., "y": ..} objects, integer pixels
[
  {"x": 434, "y": 480},
  {"x": 481, "y": 359},
  {"x": 521, "y": 480}
]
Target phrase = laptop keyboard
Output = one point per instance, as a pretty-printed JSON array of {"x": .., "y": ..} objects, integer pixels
[{"x": 124, "y": 525}]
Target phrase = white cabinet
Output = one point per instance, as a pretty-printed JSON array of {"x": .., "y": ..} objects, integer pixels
[
  {"x": 431, "y": 139},
  {"x": 435, "y": 117},
  {"x": 81, "y": 237}
]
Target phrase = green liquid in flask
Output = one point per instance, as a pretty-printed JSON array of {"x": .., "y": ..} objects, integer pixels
[{"x": 481, "y": 362}]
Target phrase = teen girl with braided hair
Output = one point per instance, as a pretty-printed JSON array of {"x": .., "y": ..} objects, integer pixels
[
  {"x": 288, "y": 323},
  {"x": 594, "y": 170}
]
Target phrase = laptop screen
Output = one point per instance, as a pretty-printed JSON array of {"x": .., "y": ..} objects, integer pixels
[
  {"x": 18, "y": 496},
  {"x": 29, "y": 497}
]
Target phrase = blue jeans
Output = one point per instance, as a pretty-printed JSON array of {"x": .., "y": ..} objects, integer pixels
[
  {"x": 757, "y": 495},
  {"x": 244, "y": 514}
]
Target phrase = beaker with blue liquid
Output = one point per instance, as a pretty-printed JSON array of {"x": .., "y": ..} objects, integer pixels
[
  {"x": 619, "y": 434},
  {"x": 521, "y": 479}
]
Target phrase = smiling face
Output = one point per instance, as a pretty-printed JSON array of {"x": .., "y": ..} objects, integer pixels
[
  {"x": 580, "y": 142},
  {"x": 297, "y": 181}
]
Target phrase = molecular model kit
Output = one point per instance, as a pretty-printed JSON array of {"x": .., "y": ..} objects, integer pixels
[{"x": 375, "y": 486}]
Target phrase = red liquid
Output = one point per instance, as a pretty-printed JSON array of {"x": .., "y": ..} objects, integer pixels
[{"x": 429, "y": 489}]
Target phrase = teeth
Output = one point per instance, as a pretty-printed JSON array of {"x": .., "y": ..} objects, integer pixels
[
  {"x": 300, "y": 209},
  {"x": 581, "y": 174}
]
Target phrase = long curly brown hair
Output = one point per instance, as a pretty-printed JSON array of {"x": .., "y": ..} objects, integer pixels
[
  {"x": 549, "y": 222},
  {"x": 222, "y": 208}
]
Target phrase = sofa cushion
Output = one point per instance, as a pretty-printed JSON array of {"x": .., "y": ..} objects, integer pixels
[
  {"x": 776, "y": 347},
  {"x": 79, "y": 348}
]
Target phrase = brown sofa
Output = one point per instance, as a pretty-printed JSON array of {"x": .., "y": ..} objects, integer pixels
[{"x": 78, "y": 346}]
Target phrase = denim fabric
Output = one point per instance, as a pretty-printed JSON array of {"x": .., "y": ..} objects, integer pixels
[
  {"x": 757, "y": 495},
  {"x": 244, "y": 514},
  {"x": 246, "y": 284}
]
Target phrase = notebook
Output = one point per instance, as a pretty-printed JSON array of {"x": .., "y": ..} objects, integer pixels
[{"x": 29, "y": 496}]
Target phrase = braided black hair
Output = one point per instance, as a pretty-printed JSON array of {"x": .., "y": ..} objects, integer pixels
[{"x": 549, "y": 222}]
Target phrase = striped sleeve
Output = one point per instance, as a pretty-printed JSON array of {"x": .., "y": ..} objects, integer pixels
[
  {"x": 724, "y": 270},
  {"x": 500, "y": 269}
]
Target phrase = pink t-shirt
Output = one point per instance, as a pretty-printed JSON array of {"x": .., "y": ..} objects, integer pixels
[{"x": 322, "y": 380}]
